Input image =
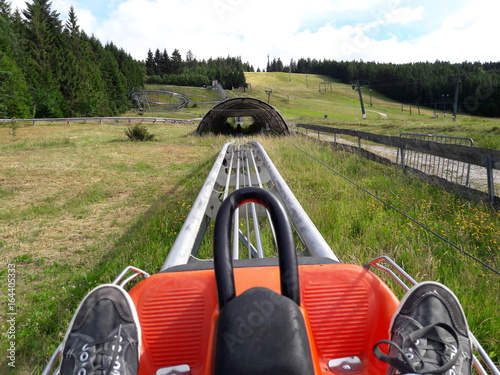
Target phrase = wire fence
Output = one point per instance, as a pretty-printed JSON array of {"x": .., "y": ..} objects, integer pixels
[
  {"x": 452, "y": 159},
  {"x": 449, "y": 169}
]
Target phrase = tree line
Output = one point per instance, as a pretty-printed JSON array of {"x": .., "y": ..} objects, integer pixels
[
  {"x": 424, "y": 83},
  {"x": 49, "y": 69},
  {"x": 172, "y": 69}
]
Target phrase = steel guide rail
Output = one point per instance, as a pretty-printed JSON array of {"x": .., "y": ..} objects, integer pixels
[
  {"x": 183, "y": 245},
  {"x": 237, "y": 166},
  {"x": 307, "y": 231}
]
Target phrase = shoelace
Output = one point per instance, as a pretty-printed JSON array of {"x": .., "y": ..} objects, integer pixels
[
  {"x": 85, "y": 357},
  {"x": 434, "y": 344}
]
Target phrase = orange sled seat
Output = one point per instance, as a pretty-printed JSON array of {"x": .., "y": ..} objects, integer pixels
[
  {"x": 271, "y": 316},
  {"x": 349, "y": 310},
  {"x": 177, "y": 311},
  {"x": 346, "y": 310}
]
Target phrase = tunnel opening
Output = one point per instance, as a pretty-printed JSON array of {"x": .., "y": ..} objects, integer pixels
[{"x": 243, "y": 116}]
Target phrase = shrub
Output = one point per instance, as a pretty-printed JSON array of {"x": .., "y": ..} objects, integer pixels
[{"x": 139, "y": 133}]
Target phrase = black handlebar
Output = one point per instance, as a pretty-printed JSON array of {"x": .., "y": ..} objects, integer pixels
[{"x": 223, "y": 264}]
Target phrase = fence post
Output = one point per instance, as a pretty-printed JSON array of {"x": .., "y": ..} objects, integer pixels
[
  {"x": 489, "y": 173},
  {"x": 402, "y": 148}
]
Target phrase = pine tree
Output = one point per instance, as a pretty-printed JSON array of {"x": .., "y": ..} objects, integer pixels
[
  {"x": 105, "y": 103},
  {"x": 14, "y": 99},
  {"x": 72, "y": 71},
  {"x": 176, "y": 62},
  {"x": 81, "y": 80},
  {"x": 163, "y": 64},
  {"x": 51, "y": 70},
  {"x": 158, "y": 60},
  {"x": 150, "y": 64},
  {"x": 43, "y": 34},
  {"x": 14, "y": 94},
  {"x": 5, "y": 9},
  {"x": 130, "y": 70},
  {"x": 114, "y": 81}
]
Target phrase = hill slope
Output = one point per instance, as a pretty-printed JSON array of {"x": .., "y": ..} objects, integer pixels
[
  {"x": 317, "y": 99},
  {"x": 314, "y": 96}
]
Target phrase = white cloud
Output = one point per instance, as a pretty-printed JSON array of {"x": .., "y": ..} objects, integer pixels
[
  {"x": 381, "y": 30},
  {"x": 467, "y": 34},
  {"x": 405, "y": 15},
  {"x": 86, "y": 19}
]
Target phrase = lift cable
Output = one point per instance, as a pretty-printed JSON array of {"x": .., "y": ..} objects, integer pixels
[{"x": 399, "y": 211}]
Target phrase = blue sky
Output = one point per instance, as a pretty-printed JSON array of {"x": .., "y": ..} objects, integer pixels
[{"x": 395, "y": 31}]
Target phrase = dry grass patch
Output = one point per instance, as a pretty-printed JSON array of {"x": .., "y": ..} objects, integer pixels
[
  {"x": 68, "y": 195},
  {"x": 73, "y": 198}
]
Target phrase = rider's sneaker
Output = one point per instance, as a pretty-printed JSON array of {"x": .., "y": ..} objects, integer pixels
[
  {"x": 429, "y": 334},
  {"x": 104, "y": 335}
]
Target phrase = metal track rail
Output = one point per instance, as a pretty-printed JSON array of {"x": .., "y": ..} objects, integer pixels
[
  {"x": 237, "y": 166},
  {"x": 307, "y": 231},
  {"x": 185, "y": 240}
]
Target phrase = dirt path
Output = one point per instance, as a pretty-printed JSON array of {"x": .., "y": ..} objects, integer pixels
[{"x": 383, "y": 115}]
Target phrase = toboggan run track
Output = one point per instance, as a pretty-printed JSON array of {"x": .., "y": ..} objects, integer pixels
[{"x": 232, "y": 313}]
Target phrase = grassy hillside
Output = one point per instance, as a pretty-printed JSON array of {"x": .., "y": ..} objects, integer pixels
[{"x": 298, "y": 96}]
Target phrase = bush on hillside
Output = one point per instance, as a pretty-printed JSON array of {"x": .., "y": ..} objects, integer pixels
[{"x": 139, "y": 133}]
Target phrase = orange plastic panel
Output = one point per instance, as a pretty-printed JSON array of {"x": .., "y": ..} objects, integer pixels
[
  {"x": 347, "y": 310},
  {"x": 176, "y": 311}
]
